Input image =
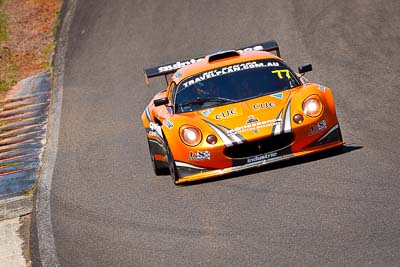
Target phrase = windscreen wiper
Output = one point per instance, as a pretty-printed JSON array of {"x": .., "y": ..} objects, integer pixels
[{"x": 200, "y": 101}]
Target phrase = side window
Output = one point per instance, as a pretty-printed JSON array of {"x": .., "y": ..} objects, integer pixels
[{"x": 172, "y": 93}]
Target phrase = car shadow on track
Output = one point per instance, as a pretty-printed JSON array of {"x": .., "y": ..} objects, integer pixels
[{"x": 282, "y": 164}]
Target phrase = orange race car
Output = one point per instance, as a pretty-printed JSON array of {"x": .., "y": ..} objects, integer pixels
[{"x": 235, "y": 110}]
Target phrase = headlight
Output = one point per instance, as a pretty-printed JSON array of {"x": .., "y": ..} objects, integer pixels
[
  {"x": 312, "y": 106},
  {"x": 190, "y": 135}
]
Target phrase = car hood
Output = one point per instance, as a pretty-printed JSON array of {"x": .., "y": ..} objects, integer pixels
[{"x": 249, "y": 119}]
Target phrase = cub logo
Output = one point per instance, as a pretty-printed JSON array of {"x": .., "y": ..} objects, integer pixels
[{"x": 226, "y": 114}]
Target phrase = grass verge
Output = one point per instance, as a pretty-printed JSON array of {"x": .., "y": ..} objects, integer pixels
[{"x": 7, "y": 66}]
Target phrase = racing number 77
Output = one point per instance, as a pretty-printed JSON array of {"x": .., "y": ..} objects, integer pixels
[{"x": 279, "y": 73}]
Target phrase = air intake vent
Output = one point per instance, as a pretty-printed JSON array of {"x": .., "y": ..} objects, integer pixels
[
  {"x": 222, "y": 55},
  {"x": 258, "y": 147}
]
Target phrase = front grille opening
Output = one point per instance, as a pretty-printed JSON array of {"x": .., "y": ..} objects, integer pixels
[{"x": 260, "y": 146}]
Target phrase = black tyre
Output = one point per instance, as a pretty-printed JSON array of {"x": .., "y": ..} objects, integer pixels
[
  {"x": 158, "y": 170},
  {"x": 172, "y": 166}
]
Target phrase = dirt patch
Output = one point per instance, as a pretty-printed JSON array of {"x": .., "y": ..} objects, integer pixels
[
  {"x": 24, "y": 233},
  {"x": 29, "y": 40}
]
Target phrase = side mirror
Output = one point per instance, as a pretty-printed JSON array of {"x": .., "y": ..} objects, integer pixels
[
  {"x": 305, "y": 68},
  {"x": 161, "y": 101}
]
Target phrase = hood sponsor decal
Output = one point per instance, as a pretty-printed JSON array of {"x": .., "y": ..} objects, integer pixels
[
  {"x": 278, "y": 95},
  {"x": 252, "y": 119},
  {"x": 317, "y": 128},
  {"x": 255, "y": 126},
  {"x": 199, "y": 155},
  {"x": 226, "y": 114},
  {"x": 263, "y": 105},
  {"x": 207, "y": 112}
]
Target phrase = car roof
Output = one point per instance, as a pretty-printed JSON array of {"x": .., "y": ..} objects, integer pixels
[{"x": 204, "y": 65}]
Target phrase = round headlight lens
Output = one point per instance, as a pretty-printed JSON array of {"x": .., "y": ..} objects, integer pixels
[
  {"x": 191, "y": 135},
  {"x": 312, "y": 106}
]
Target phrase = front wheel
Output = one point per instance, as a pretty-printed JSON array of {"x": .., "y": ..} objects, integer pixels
[
  {"x": 172, "y": 166},
  {"x": 158, "y": 170}
]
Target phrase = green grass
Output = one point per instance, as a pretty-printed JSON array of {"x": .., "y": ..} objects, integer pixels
[
  {"x": 3, "y": 24},
  {"x": 57, "y": 25},
  {"x": 49, "y": 49},
  {"x": 3, "y": 27},
  {"x": 7, "y": 68},
  {"x": 6, "y": 77}
]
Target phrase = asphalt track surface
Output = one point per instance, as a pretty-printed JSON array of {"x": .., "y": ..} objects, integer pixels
[{"x": 109, "y": 209}]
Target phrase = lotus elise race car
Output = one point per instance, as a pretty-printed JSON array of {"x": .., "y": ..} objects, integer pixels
[{"x": 234, "y": 110}]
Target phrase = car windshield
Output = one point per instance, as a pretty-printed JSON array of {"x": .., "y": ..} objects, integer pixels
[{"x": 233, "y": 83}]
